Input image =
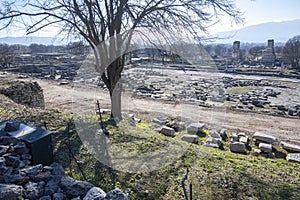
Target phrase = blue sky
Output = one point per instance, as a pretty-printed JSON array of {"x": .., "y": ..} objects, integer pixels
[
  {"x": 255, "y": 12},
  {"x": 260, "y": 11}
]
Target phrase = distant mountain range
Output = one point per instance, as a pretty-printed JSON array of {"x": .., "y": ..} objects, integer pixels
[
  {"x": 33, "y": 39},
  {"x": 260, "y": 33}
]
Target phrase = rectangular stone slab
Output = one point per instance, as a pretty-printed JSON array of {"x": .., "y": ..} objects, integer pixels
[
  {"x": 190, "y": 138},
  {"x": 264, "y": 137},
  {"x": 167, "y": 131},
  {"x": 291, "y": 147},
  {"x": 265, "y": 147},
  {"x": 295, "y": 157}
]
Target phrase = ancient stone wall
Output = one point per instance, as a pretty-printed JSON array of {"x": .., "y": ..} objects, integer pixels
[
  {"x": 21, "y": 180},
  {"x": 26, "y": 93}
]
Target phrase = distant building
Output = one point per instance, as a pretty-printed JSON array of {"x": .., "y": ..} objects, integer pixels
[
  {"x": 236, "y": 50},
  {"x": 268, "y": 55}
]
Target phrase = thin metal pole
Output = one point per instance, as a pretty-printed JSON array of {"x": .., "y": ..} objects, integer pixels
[{"x": 182, "y": 184}]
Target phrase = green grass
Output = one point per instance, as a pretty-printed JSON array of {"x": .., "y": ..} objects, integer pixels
[
  {"x": 240, "y": 90},
  {"x": 214, "y": 173}
]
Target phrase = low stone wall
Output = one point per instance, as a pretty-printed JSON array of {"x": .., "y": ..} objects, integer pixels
[
  {"x": 20, "y": 180},
  {"x": 26, "y": 93}
]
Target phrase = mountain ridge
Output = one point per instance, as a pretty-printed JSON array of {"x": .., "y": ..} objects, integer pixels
[
  {"x": 259, "y": 33},
  {"x": 33, "y": 40},
  {"x": 279, "y": 31}
]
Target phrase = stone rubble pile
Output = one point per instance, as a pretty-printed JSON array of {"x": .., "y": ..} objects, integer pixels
[
  {"x": 26, "y": 93},
  {"x": 214, "y": 140},
  {"x": 239, "y": 142},
  {"x": 18, "y": 179}
]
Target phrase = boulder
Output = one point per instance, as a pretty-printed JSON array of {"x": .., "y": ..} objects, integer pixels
[
  {"x": 294, "y": 157},
  {"x": 74, "y": 188},
  {"x": 213, "y": 142},
  {"x": 58, "y": 196},
  {"x": 215, "y": 134},
  {"x": 20, "y": 148},
  {"x": 237, "y": 147},
  {"x": 159, "y": 121},
  {"x": 95, "y": 193},
  {"x": 32, "y": 171},
  {"x": 10, "y": 192},
  {"x": 116, "y": 194},
  {"x": 13, "y": 178},
  {"x": 8, "y": 140},
  {"x": 12, "y": 126},
  {"x": 195, "y": 128},
  {"x": 290, "y": 147},
  {"x": 52, "y": 185},
  {"x": 167, "y": 131},
  {"x": 264, "y": 137},
  {"x": 32, "y": 190},
  {"x": 57, "y": 169},
  {"x": 190, "y": 138},
  {"x": 265, "y": 147}
]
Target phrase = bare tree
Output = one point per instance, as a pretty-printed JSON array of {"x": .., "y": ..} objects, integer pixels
[
  {"x": 6, "y": 55},
  {"x": 107, "y": 25},
  {"x": 292, "y": 51}
]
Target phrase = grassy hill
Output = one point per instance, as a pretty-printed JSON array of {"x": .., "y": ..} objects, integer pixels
[{"x": 213, "y": 173}]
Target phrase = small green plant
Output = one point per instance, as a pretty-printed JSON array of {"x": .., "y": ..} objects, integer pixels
[{"x": 203, "y": 133}]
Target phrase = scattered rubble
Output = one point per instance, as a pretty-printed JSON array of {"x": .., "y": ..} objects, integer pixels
[{"x": 19, "y": 179}]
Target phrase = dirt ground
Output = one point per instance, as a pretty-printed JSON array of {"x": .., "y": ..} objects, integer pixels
[
  {"x": 80, "y": 98},
  {"x": 83, "y": 98}
]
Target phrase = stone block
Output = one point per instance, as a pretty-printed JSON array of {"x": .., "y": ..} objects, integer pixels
[
  {"x": 195, "y": 128},
  {"x": 159, "y": 121},
  {"x": 294, "y": 157},
  {"x": 264, "y": 137},
  {"x": 237, "y": 147},
  {"x": 167, "y": 131},
  {"x": 290, "y": 147},
  {"x": 217, "y": 141},
  {"x": 244, "y": 139},
  {"x": 190, "y": 138},
  {"x": 265, "y": 147}
]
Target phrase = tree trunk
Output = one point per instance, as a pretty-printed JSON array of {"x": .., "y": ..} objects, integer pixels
[{"x": 115, "y": 99}]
